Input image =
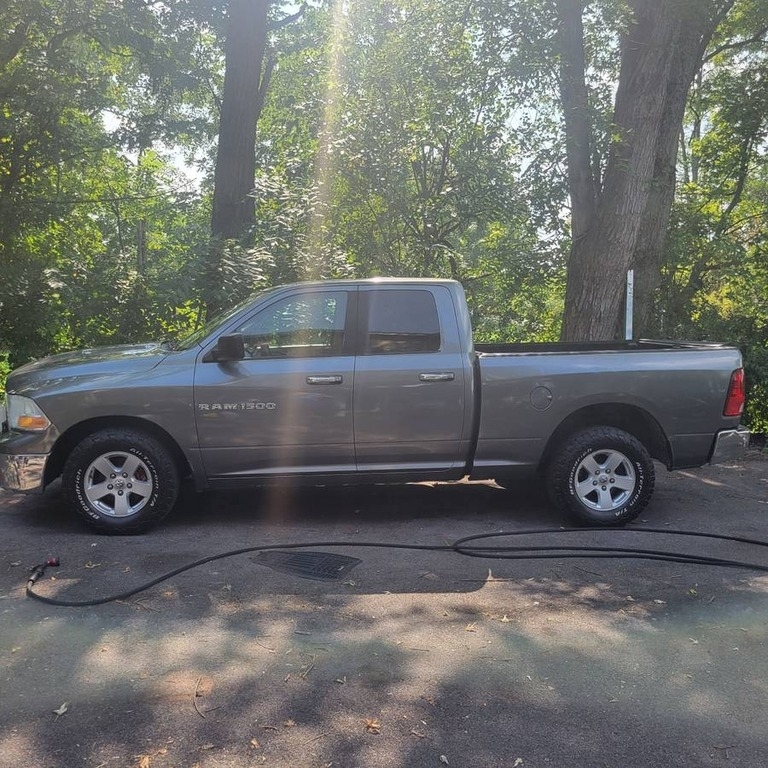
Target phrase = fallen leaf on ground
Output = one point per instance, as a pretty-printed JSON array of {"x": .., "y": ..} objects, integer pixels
[
  {"x": 288, "y": 724},
  {"x": 505, "y": 619},
  {"x": 255, "y": 743},
  {"x": 372, "y": 725},
  {"x": 444, "y": 760},
  {"x": 62, "y": 710},
  {"x": 143, "y": 761},
  {"x": 518, "y": 761},
  {"x": 471, "y": 627},
  {"x": 306, "y": 669}
]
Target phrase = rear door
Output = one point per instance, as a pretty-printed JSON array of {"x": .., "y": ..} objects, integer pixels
[
  {"x": 410, "y": 381},
  {"x": 287, "y": 408}
]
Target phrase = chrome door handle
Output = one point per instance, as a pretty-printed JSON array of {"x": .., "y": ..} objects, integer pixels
[
  {"x": 325, "y": 379},
  {"x": 437, "y": 376}
]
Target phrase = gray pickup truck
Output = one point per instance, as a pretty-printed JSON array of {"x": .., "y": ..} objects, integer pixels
[{"x": 374, "y": 381}]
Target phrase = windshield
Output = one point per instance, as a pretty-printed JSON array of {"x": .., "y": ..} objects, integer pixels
[{"x": 210, "y": 326}]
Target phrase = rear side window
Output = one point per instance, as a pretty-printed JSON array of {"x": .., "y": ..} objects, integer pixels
[{"x": 402, "y": 322}]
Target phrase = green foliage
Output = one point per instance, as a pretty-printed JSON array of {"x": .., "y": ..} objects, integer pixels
[
  {"x": 5, "y": 369},
  {"x": 425, "y": 164},
  {"x": 230, "y": 273},
  {"x": 95, "y": 226},
  {"x": 715, "y": 281},
  {"x": 386, "y": 149}
]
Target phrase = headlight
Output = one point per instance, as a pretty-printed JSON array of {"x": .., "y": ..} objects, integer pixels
[{"x": 25, "y": 414}]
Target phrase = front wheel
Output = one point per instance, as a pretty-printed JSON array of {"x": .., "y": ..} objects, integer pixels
[
  {"x": 601, "y": 476},
  {"x": 121, "y": 481}
]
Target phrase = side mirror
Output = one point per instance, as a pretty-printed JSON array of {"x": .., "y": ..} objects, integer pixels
[{"x": 227, "y": 349}]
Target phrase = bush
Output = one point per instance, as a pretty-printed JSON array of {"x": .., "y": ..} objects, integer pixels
[{"x": 5, "y": 369}]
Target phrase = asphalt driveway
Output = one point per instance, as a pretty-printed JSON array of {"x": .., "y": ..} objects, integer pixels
[{"x": 413, "y": 658}]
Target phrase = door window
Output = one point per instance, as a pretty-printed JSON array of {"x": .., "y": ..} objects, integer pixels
[
  {"x": 307, "y": 325},
  {"x": 402, "y": 322}
]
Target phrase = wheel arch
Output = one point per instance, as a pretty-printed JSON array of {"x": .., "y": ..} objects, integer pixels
[
  {"x": 630, "y": 418},
  {"x": 69, "y": 439}
]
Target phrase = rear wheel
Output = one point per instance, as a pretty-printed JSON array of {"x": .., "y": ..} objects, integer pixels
[
  {"x": 121, "y": 481},
  {"x": 601, "y": 476}
]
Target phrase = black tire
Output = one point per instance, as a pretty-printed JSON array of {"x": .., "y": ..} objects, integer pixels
[
  {"x": 601, "y": 476},
  {"x": 121, "y": 481}
]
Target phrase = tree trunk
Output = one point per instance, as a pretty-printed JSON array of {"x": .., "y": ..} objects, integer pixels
[
  {"x": 659, "y": 57},
  {"x": 578, "y": 126},
  {"x": 242, "y": 101},
  {"x": 598, "y": 261},
  {"x": 649, "y": 251},
  {"x": 695, "y": 33}
]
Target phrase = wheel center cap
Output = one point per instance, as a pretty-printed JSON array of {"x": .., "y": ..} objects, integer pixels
[
  {"x": 603, "y": 479},
  {"x": 119, "y": 483}
]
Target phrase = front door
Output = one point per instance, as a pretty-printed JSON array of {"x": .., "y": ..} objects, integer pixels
[{"x": 287, "y": 407}]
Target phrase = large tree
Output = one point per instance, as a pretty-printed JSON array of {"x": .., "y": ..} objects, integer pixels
[
  {"x": 246, "y": 81},
  {"x": 92, "y": 220},
  {"x": 620, "y": 213}
]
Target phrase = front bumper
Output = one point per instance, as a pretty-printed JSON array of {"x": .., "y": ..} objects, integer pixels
[
  {"x": 22, "y": 466},
  {"x": 24, "y": 473},
  {"x": 730, "y": 445}
]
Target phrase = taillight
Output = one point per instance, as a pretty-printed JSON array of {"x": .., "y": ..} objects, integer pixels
[{"x": 734, "y": 402}]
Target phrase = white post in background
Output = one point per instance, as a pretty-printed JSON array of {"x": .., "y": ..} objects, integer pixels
[{"x": 629, "y": 330}]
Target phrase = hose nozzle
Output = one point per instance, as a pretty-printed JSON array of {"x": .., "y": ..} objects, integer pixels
[{"x": 36, "y": 571}]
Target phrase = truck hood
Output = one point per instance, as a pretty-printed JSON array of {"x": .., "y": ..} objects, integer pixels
[{"x": 84, "y": 364}]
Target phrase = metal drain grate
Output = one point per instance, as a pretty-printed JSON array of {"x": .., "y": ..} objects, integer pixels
[{"x": 323, "y": 566}]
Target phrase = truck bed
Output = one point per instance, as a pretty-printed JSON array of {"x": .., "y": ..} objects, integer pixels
[{"x": 677, "y": 389}]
